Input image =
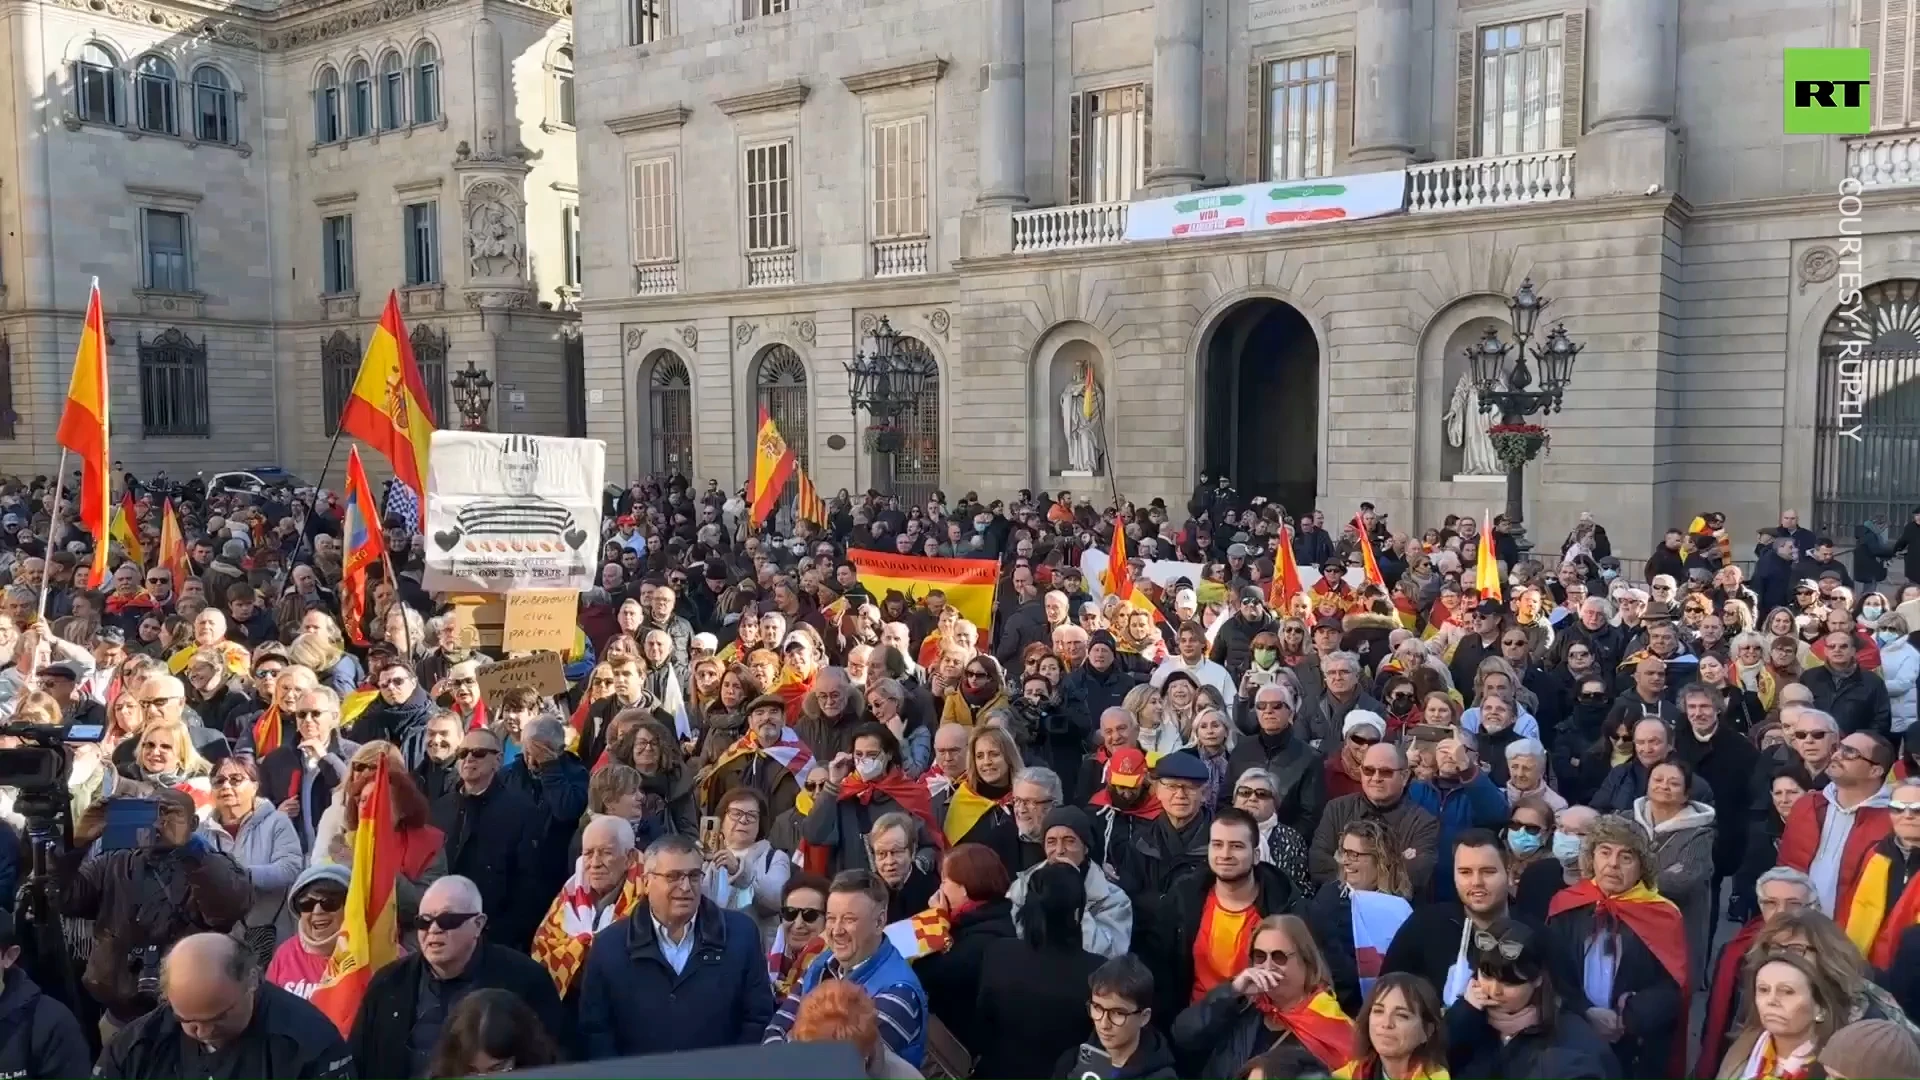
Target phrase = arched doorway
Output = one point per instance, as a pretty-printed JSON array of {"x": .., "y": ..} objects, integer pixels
[
  {"x": 914, "y": 470},
  {"x": 1866, "y": 440},
  {"x": 666, "y": 404},
  {"x": 1260, "y": 402},
  {"x": 780, "y": 387}
]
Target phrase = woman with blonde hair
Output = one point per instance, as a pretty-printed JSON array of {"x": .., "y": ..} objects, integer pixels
[
  {"x": 1283, "y": 995},
  {"x": 422, "y": 851},
  {"x": 977, "y": 809},
  {"x": 1373, "y": 873},
  {"x": 1793, "y": 1008},
  {"x": 321, "y": 648},
  {"x": 166, "y": 757}
]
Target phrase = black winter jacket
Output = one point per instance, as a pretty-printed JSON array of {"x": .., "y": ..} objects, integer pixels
[
  {"x": 292, "y": 1038},
  {"x": 952, "y": 978},
  {"x": 39, "y": 1036},
  {"x": 1571, "y": 1051},
  {"x": 385, "y": 1020},
  {"x": 489, "y": 840}
]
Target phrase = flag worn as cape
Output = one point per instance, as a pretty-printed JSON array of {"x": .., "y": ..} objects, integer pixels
[
  {"x": 965, "y": 809},
  {"x": 1872, "y": 928},
  {"x": 1656, "y": 922},
  {"x": 1320, "y": 1024}
]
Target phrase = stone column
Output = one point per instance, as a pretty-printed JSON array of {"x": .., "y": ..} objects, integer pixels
[
  {"x": 1382, "y": 82},
  {"x": 489, "y": 89},
  {"x": 1003, "y": 108},
  {"x": 1629, "y": 147},
  {"x": 1177, "y": 104}
]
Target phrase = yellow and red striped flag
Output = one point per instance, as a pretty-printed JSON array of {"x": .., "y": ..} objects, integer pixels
[
  {"x": 364, "y": 547},
  {"x": 83, "y": 431},
  {"x": 773, "y": 462},
  {"x": 388, "y": 409},
  {"x": 370, "y": 932},
  {"x": 1286, "y": 576},
  {"x": 266, "y": 732},
  {"x": 1117, "y": 578},
  {"x": 1486, "y": 568},
  {"x": 126, "y": 531},
  {"x": 173, "y": 546},
  {"x": 968, "y": 583},
  {"x": 807, "y": 504},
  {"x": 1367, "y": 560}
]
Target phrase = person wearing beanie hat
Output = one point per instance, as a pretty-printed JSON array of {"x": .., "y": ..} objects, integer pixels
[
  {"x": 318, "y": 899},
  {"x": 1233, "y": 642},
  {"x": 1871, "y": 1048},
  {"x": 1086, "y": 694},
  {"x": 1067, "y": 837},
  {"x": 1362, "y": 729}
]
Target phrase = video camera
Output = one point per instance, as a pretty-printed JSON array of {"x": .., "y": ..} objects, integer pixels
[{"x": 39, "y": 769}]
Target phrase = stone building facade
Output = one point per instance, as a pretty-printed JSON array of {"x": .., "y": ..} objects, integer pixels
[
  {"x": 791, "y": 170},
  {"x": 248, "y": 182}
]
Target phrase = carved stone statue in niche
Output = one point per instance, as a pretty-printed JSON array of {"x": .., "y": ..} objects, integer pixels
[
  {"x": 494, "y": 247},
  {"x": 1467, "y": 431},
  {"x": 1083, "y": 413}
]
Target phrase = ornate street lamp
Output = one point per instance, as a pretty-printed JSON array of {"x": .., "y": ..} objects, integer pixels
[
  {"x": 886, "y": 380},
  {"x": 474, "y": 390},
  {"x": 1507, "y": 386}
]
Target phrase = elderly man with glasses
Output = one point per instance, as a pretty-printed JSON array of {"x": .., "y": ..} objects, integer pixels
[
  {"x": 490, "y": 831},
  {"x": 1297, "y": 770},
  {"x": 1384, "y": 776},
  {"x": 304, "y": 774}
]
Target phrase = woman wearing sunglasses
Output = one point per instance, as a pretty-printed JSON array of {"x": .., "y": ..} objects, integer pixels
[
  {"x": 1511, "y": 1024},
  {"x": 423, "y": 856},
  {"x": 317, "y": 898},
  {"x": 797, "y": 939},
  {"x": 263, "y": 841},
  {"x": 1283, "y": 995}
]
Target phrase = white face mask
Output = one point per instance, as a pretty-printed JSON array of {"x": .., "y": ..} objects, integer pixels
[{"x": 870, "y": 768}]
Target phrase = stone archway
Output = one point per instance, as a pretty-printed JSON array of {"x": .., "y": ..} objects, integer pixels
[{"x": 1260, "y": 402}]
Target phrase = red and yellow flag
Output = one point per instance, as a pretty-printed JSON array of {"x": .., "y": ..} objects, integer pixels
[
  {"x": 266, "y": 732},
  {"x": 1367, "y": 560},
  {"x": 388, "y": 408},
  {"x": 1319, "y": 1023},
  {"x": 1117, "y": 578},
  {"x": 83, "y": 430},
  {"x": 370, "y": 933},
  {"x": 807, "y": 502},
  {"x": 968, "y": 583},
  {"x": 1286, "y": 576},
  {"x": 1486, "y": 567},
  {"x": 773, "y": 462},
  {"x": 173, "y": 546},
  {"x": 364, "y": 547},
  {"x": 125, "y": 529}
]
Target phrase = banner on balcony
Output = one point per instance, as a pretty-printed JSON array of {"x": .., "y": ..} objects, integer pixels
[{"x": 1252, "y": 208}]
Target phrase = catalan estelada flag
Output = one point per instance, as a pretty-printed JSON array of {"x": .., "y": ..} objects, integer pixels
[
  {"x": 1486, "y": 568},
  {"x": 173, "y": 545},
  {"x": 364, "y": 547},
  {"x": 388, "y": 408},
  {"x": 1371, "y": 564},
  {"x": 968, "y": 583},
  {"x": 83, "y": 431},
  {"x": 370, "y": 929},
  {"x": 126, "y": 531},
  {"x": 773, "y": 462},
  {"x": 1286, "y": 576}
]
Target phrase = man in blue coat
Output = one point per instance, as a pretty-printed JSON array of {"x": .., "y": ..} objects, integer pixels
[
  {"x": 679, "y": 973},
  {"x": 1463, "y": 797}
]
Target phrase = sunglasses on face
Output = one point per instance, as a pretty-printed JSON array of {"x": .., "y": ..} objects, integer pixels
[
  {"x": 1261, "y": 794},
  {"x": 307, "y": 905},
  {"x": 1901, "y": 807},
  {"x": 1358, "y": 739},
  {"x": 1276, "y": 957},
  {"x": 802, "y": 914},
  {"x": 392, "y": 684},
  {"x": 816, "y": 785},
  {"x": 1379, "y": 772},
  {"x": 448, "y": 921},
  {"x": 1811, "y": 736},
  {"x": 309, "y": 714},
  {"x": 476, "y": 752},
  {"x": 1530, "y": 830}
]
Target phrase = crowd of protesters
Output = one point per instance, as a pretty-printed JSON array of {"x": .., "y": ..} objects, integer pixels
[{"x": 1415, "y": 827}]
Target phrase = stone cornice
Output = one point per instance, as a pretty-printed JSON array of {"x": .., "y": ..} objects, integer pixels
[
  {"x": 898, "y": 77},
  {"x": 290, "y": 27},
  {"x": 337, "y": 199},
  {"x": 672, "y": 116},
  {"x": 156, "y": 193},
  {"x": 874, "y": 292},
  {"x": 783, "y": 95}
]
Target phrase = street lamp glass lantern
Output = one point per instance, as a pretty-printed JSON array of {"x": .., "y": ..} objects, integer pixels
[
  {"x": 1524, "y": 309},
  {"x": 1487, "y": 359},
  {"x": 1556, "y": 359}
]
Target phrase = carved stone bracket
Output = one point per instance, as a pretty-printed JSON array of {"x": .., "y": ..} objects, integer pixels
[
  {"x": 422, "y": 299},
  {"x": 803, "y": 328},
  {"x": 744, "y": 332},
  {"x": 1818, "y": 265},
  {"x": 176, "y": 304},
  {"x": 867, "y": 323},
  {"x": 635, "y": 335},
  {"x": 939, "y": 321},
  {"x": 690, "y": 334},
  {"x": 341, "y": 306}
]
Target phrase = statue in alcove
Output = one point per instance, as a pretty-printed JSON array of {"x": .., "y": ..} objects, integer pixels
[{"x": 1083, "y": 411}]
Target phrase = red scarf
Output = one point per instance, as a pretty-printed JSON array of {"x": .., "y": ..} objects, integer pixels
[
  {"x": 1318, "y": 1022},
  {"x": 1148, "y": 808},
  {"x": 1726, "y": 979},
  {"x": 1656, "y": 922},
  {"x": 894, "y": 784}
]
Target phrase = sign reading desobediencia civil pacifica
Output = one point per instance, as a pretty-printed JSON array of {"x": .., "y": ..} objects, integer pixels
[
  {"x": 1252, "y": 208},
  {"x": 509, "y": 512}
]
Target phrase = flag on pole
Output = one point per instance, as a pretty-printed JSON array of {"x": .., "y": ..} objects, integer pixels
[
  {"x": 173, "y": 545},
  {"x": 364, "y": 546},
  {"x": 124, "y": 530},
  {"x": 1086, "y": 395},
  {"x": 808, "y": 505},
  {"x": 83, "y": 431},
  {"x": 1117, "y": 578},
  {"x": 773, "y": 462},
  {"x": 1286, "y": 576},
  {"x": 1367, "y": 560},
  {"x": 370, "y": 929},
  {"x": 1486, "y": 568},
  {"x": 388, "y": 408}
]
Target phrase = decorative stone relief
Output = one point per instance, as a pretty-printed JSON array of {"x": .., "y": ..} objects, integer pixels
[
  {"x": 178, "y": 305},
  {"x": 690, "y": 334},
  {"x": 494, "y": 247},
  {"x": 744, "y": 332},
  {"x": 867, "y": 323},
  {"x": 1818, "y": 265},
  {"x": 348, "y": 22},
  {"x": 939, "y": 321},
  {"x": 490, "y": 299},
  {"x": 173, "y": 21},
  {"x": 804, "y": 329},
  {"x": 341, "y": 306},
  {"x": 635, "y": 335}
]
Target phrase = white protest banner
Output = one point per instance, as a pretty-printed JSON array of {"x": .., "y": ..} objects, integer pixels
[
  {"x": 509, "y": 512},
  {"x": 1253, "y": 208}
]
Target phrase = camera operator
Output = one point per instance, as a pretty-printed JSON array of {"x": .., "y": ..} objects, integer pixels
[
  {"x": 144, "y": 899},
  {"x": 38, "y": 1036},
  {"x": 240, "y": 1026}
]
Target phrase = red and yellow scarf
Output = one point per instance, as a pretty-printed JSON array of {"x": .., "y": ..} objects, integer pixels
[
  {"x": 561, "y": 942},
  {"x": 1872, "y": 928},
  {"x": 1318, "y": 1022}
]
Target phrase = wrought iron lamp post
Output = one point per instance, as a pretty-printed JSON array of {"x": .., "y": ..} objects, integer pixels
[
  {"x": 474, "y": 390},
  {"x": 1509, "y": 389},
  {"x": 886, "y": 381}
]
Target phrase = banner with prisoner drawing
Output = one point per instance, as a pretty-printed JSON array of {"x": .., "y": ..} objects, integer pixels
[{"x": 509, "y": 512}]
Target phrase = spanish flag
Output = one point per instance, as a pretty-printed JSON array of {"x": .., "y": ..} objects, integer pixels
[
  {"x": 1117, "y": 578},
  {"x": 1872, "y": 928},
  {"x": 1367, "y": 560},
  {"x": 1319, "y": 1023},
  {"x": 173, "y": 545},
  {"x": 964, "y": 811},
  {"x": 123, "y": 530},
  {"x": 267, "y": 732},
  {"x": 1486, "y": 568},
  {"x": 370, "y": 933},
  {"x": 1656, "y": 922},
  {"x": 968, "y": 583},
  {"x": 364, "y": 547},
  {"x": 1286, "y": 576},
  {"x": 388, "y": 408},
  {"x": 773, "y": 462},
  {"x": 83, "y": 430}
]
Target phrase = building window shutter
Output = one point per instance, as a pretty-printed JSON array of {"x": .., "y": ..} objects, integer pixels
[
  {"x": 1256, "y": 168},
  {"x": 1075, "y": 169},
  {"x": 1466, "y": 116},
  {"x": 1343, "y": 88},
  {"x": 1146, "y": 134},
  {"x": 1573, "y": 79}
]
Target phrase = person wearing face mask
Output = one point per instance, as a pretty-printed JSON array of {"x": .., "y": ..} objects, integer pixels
[
  {"x": 1899, "y": 669},
  {"x": 864, "y": 785}
]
